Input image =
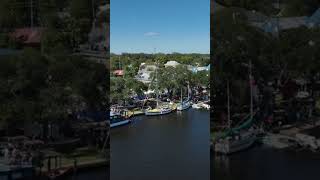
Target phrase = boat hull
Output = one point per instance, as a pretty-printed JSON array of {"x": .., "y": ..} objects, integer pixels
[
  {"x": 229, "y": 147},
  {"x": 148, "y": 113},
  {"x": 120, "y": 123},
  {"x": 179, "y": 108},
  {"x": 196, "y": 106},
  {"x": 183, "y": 107}
]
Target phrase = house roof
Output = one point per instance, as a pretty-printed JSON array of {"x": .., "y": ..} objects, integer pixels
[
  {"x": 118, "y": 72},
  {"x": 27, "y": 35}
]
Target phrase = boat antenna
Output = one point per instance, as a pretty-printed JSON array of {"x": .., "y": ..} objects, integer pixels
[
  {"x": 251, "y": 93},
  {"x": 228, "y": 94},
  {"x": 181, "y": 96}
]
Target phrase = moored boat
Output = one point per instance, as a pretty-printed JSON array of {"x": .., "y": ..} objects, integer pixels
[
  {"x": 118, "y": 120},
  {"x": 183, "y": 106},
  {"x": 238, "y": 138},
  {"x": 197, "y": 105},
  {"x": 206, "y": 106},
  {"x": 235, "y": 143},
  {"x": 158, "y": 111}
]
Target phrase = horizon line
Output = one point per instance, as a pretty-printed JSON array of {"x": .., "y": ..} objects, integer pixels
[{"x": 117, "y": 53}]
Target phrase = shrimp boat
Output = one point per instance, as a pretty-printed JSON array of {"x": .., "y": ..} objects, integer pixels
[
  {"x": 116, "y": 119},
  {"x": 183, "y": 105},
  {"x": 158, "y": 110},
  {"x": 238, "y": 138}
]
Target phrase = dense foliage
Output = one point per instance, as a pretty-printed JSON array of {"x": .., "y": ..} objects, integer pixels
[
  {"x": 170, "y": 79},
  {"x": 235, "y": 43},
  {"x": 38, "y": 88}
]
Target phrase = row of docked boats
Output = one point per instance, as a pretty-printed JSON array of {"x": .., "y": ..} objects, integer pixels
[
  {"x": 161, "y": 108},
  {"x": 120, "y": 116}
]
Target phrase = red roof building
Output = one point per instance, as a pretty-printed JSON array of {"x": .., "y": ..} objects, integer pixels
[
  {"x": 118, "y": 72},
  {"x": 28, "y": 36}
]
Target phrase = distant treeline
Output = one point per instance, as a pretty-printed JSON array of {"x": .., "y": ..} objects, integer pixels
[{"x": 134, "y": 60}]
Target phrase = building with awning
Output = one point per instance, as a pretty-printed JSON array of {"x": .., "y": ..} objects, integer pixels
[{"x": 171, "y": 64}]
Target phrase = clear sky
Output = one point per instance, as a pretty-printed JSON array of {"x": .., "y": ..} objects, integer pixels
[{"x": 164, "y": 25}]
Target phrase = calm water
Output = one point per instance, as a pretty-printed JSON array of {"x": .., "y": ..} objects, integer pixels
[
  {"x": 170, "y": 147},
  {"x": 262, "y": 163},
  {"x": 97, "y": 174}
]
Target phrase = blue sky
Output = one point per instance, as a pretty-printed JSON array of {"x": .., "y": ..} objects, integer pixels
[{"x": 165, "y": 25}]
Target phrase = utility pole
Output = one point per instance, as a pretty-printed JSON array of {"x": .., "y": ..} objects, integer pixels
[
  {"x": 31, "y": 13},
  {"x": 93, "y": 15}
]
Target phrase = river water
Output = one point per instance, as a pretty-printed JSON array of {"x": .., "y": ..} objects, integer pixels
[
  {"x": 96, "y": 174},
  {"x": 170, "y": 147},
  {"x": 264, "y": 163}
]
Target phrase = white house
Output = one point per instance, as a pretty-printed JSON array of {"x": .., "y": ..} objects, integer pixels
[
  {"x": 171, "y": 63},
  {"x": 144, "y": 73}
]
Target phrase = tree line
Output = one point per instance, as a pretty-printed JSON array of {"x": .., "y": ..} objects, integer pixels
[
  {"x": 169, "y": 79},
  {"x": 49, "y": 89}
]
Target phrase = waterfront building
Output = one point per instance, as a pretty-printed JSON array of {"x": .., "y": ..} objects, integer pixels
[{"x": 144, "y": 73}]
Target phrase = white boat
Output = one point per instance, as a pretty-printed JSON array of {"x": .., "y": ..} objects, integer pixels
[
  {"x": 183, "y": 105},
  {"x": 114, "y": 113},
  {"x": 235, "y": 143},
  {"x": 197, "y": 105},
  {"x": 115, "y": 110},
  {"x": 158, "y": 111},
  {"x": 205, "y": 105}
]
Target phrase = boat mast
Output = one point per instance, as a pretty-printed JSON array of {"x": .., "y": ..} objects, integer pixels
[
  {"x": 181, "y": 96},
  {"x": 188, "y": 92},
  {"x": 228, "y": 96},
  {"x": 251, "y": 93},
  {"x": 156, "y": 71}
]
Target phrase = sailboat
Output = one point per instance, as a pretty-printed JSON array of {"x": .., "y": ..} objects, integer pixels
[
  {"x": 240, "y": 138},
  {"x": 159, "y": 110},
  {"x": 183, "y": 105}
]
